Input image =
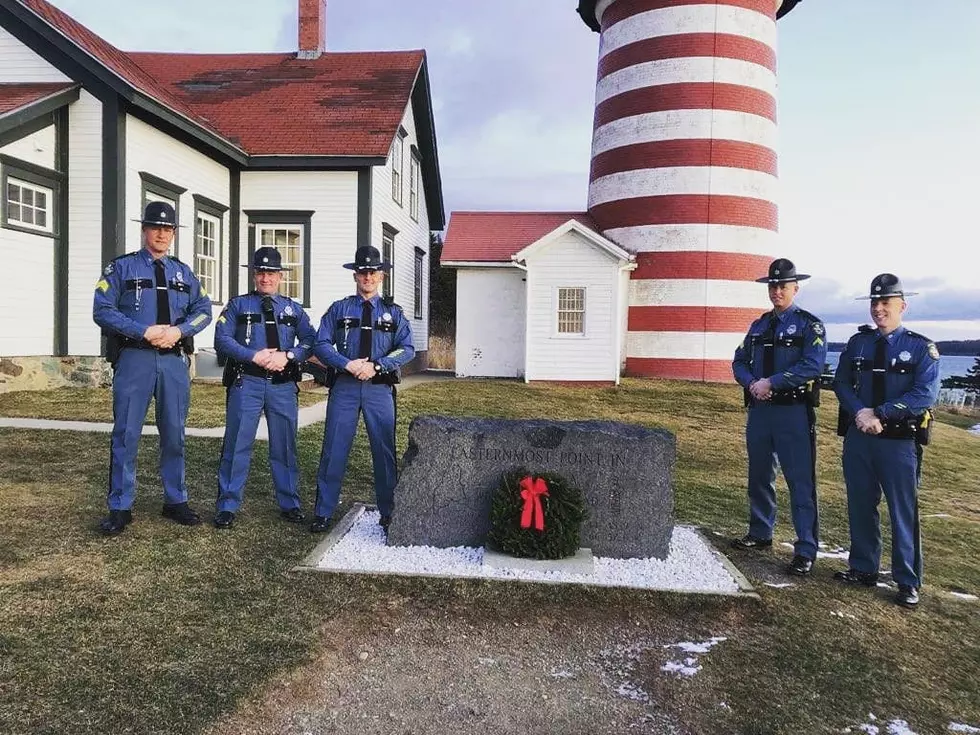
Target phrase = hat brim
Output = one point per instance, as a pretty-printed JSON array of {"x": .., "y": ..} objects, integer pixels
[
  {"x": 358, "y": 268},
  {"x": 265, "y": 269},
  {"x": 900, "y": 294},
  {"x": 797, "y": 277},
  {"x": 163, "y": 224}
]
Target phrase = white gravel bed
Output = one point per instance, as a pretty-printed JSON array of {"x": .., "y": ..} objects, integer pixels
[{"x": 691, "y": 566}]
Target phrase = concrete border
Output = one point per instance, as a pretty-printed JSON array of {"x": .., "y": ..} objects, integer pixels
[{"x": 311, "y": 561}]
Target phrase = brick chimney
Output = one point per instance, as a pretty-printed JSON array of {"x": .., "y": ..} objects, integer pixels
[{"x": 312, "y": 28}]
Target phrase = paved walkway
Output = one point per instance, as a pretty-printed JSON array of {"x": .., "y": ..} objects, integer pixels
[{"x": 307, "y": 416}]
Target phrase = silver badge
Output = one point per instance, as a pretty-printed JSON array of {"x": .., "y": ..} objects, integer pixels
[
  {"x": 108, "y": 270},
  {"x": 791, "y": 329},
  {"x": 386, "y": 317},
  {"x": 904, "y": 355},
  {"x": 180, "y": 277},
  {"x": 288, "y": 311}
]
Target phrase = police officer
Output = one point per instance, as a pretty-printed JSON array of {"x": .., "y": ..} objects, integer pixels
[
  {"x": 264, "y": 338},
  {"x": 887, "y": 380},
  {"x": 779, "y": 364},
  {"x": 149, "y": 305},
  {"x": 365, "y": 340}
]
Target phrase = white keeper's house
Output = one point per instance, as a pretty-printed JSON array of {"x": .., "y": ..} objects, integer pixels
[{"x": 313, "y": 152}]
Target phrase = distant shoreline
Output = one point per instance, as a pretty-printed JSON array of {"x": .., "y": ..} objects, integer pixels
[{"x": 959, "y": 348}]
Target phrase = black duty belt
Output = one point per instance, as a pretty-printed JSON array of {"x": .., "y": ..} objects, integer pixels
[
  {"x": 142, "y": 344},
  {"x": 286, "y": 376},
  {"x": 789, "y": 397},
  {"x": 898, "y": 428}
]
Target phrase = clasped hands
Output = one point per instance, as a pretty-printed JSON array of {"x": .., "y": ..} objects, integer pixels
[
  {"x": 271, "y": 359},
  {"x": 162, "y": 336},
  {"x": 761, "y": 389},
  {"x": 361, "y": 368},
  {"x": 867, "y": 422}
]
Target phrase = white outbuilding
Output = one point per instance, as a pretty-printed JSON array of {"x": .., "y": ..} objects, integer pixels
[{"x": 539, "y": 295}]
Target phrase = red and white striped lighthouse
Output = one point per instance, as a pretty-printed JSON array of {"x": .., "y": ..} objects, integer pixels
[{"x": 684, "y": 171}]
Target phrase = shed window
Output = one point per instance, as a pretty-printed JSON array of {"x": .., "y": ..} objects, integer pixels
[{"x": 571, "y": 310}]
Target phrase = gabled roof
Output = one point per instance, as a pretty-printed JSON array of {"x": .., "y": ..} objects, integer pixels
[
  {"x": 15, "y": 96},
  {"x": 340, "y": 104},
  {"x": 587, "y": 233},
  {"x": 25, "y": 104},
  {"x": 493, "y": 237}
]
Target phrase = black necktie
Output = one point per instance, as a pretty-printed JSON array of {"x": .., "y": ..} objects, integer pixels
[
  {"x": 878, "y": 373},
  {"x": 269, "y": 317},
  {"x": 364, "y": 349},
  {"x": 768, "y": 348},
  {"x": 163, "y": 300}
]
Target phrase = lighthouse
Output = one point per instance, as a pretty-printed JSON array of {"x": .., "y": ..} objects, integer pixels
[{"x": 683, "y": 171}]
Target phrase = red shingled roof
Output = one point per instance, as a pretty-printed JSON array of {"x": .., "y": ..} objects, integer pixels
[
  {"x": 493, "y": 237},
  {"x": 340, "y": 104},
  {"x": 15, "y": 96}
]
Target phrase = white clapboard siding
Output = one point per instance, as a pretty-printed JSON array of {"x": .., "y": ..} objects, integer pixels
[
  {"x": 28, "y": 330},
  {"x": 411, "y": 234},
  {"x": 19, "y": 64},
  {"x": 332, "y": 197},
  {"x": 572, "y": 262},
  {"x": 85, "y": 221},
  {"x": 37, "y": 148},
  {"x": 490, "y": 322},
  {"x": 154, "y": 152}
]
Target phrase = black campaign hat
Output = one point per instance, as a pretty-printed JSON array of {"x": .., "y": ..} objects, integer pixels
[
  {"x": 782, "y": 270},
  {"x": 267, "y": 259},
  {"x": 368, "y": 258},
  {"x": 886, "y": 285},
  {"x": 158, "y": 213}
]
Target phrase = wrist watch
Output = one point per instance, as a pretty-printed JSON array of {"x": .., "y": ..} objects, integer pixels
[{"x": 290, "y": 355}]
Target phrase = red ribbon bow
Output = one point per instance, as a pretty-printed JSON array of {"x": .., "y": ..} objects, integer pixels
[{"x": 531, "y": 490}]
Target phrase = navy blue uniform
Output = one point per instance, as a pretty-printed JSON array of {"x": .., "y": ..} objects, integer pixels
[
  {"x": 125, "y": 305},
  {"x": 908, "y": 384},
  {"x": 241, "y": 333},
  {"x": 790, "y": 350},
  {"x": 338, "y": 342}
]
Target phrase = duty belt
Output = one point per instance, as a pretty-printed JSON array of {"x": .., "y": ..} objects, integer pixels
[
  {"x": 898, "y": 428},
  {"x": 142, "y": 344},
  {"x": 286, "y": 376},
  {"x": 789, "y": 397}
]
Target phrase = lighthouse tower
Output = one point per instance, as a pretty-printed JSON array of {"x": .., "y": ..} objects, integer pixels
[{"x": 684, "y": 171}]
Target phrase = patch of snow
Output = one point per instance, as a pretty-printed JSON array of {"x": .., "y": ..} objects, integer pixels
[
  {"x": 975, "y": 430},
  {"x": 689, "y": 647},
  {"x": 959, "y": 727},
  {"x": 779, "y": 585},
  {"x": 561, "y": 674},
  {"x": 938, "y": 515},
  {"x": 689, "y": 666},
  {"x": 676, "y": 667},
  {"x": 838, "y": 552},
  {"x": 840, "y": 614},
  {"x": 691, "y": 565},
  {"x": 631, "y": 691},
  {"x": 964, "y": 596},
  {"x": 893, "y": 727}
]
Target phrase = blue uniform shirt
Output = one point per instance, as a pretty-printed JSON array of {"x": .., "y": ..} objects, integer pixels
[
  {"x": 240, "y": 331},
  {"x": 126, "y": 301},
  {"x": 339, "y": 336},
  {"x": 911, "y": 374},
  {"x": 800, "y": 350}
]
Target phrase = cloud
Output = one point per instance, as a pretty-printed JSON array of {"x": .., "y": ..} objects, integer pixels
[{"x": 936, "y": 301}]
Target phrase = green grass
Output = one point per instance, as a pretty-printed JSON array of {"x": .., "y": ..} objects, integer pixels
[
  {"x": 207, "y": 408},
  {"x": 167, "y": 629},
  {"x": 963, "y": 418}
]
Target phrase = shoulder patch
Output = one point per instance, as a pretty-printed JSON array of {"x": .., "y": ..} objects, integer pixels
[
  {"x": 817, "y": 328},
  {"x": 108, "y": 269},
  {"x": 933, "y": 351}
]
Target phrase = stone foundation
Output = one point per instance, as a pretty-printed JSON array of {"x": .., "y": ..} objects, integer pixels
[{"x": 44, "y": 373}]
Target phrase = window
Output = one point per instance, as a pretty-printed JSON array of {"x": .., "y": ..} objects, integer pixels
[
  {"x": 208, "y": 219},
  {"x": 419, "y": 283},
  {"x": 288, "y": 240},
  {"x": 388, "y": 253},
  {"x": 289, "y": 232},
  {"x": 571, "y": 311},
  {"x": 155, "y": 189},
  {"x": 414, "y": 178},
  {"x": 29, "y": 205},
  {"x": 29, "y": 197},
  {"x": 397, "y": 162}
]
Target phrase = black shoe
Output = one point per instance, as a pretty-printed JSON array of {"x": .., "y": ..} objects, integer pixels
[
  {"x": 800, "y": 566},
  {"x": 293, "y": 515},
  {"x": 907, "y": 596},
  {"x": 384, "y": 522},
  {"x": 224, "y": 519},
  {"x": 320, "y": 524},
  {"x": 181, "y": 513},
  {"x": 115, "y": 523},
  {"x": 853, "y": 576},
  {"x": 748, "y": 541}
]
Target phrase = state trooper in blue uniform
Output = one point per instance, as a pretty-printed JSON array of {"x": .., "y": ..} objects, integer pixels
[
  {"x": 779, "y": 364},
  {"x": 364, "y": 339},
  {"x": 887, "y": 380},
  {"x": 149, "y": 305},
  {"x": 264, "y": 337}
]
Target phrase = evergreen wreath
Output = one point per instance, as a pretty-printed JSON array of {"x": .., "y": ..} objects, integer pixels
[{"x": 543, "y": 525}]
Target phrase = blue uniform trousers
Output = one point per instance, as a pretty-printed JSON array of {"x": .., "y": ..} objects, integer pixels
[
  {"x": 350, "y": 397},
  {"x": 246, "y": 401},
  {"x": 873, "y": 465},
  {"x": 139, "y": 376},
  {"x": 783, "y": 432}
]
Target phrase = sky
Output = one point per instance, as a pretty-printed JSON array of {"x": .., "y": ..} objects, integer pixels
[{"x": 879, "y": 103}]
